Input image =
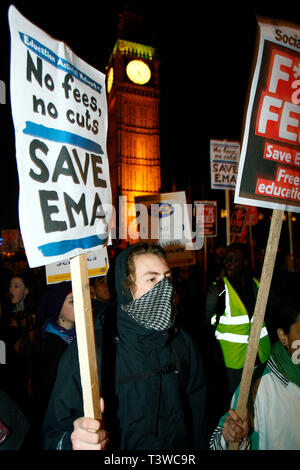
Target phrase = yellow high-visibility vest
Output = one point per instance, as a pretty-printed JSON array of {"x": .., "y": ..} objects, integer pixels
[{"x": 233, "y": 330}]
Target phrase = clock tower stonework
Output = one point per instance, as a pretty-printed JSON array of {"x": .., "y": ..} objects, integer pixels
[{"x": 133, "y": 141}]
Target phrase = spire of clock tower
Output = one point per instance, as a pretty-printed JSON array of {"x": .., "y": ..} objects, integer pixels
[
  {"x": 133, "y": 142},
  {"x": 130, "y": 26}
]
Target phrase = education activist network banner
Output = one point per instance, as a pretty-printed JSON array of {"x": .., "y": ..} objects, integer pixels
[
  {"x": 60, "y": 117},
  {"x": 269, "y": 169},
  {"x": 97, "y": 263}
]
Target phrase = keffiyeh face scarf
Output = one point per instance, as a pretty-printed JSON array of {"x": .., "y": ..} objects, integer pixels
[{"x": 155, "y": 310}]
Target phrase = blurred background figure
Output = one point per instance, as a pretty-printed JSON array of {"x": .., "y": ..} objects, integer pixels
[
  {"x": 21, "y": 338},
  {"x": 100, "y": 294},
  {"x": 57, "y": 332},
  {"x": 190, "y": 305},
  {"x": 19, "y": 262},
  {"x": 104, "y": 309}
]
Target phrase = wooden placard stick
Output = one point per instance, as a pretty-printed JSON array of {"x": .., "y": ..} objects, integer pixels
[
  {"x": 85, "y": 337},
  {"x": 227, "y": 204},
  {"x": 291, "y": 240},
  {"x": 258, "y": 316}
]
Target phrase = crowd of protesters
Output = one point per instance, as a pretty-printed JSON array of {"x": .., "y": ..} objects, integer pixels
[{"x": 213, "y": 317}]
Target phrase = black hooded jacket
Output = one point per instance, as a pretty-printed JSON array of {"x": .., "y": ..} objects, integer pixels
[{"x": 158, "y": 382}]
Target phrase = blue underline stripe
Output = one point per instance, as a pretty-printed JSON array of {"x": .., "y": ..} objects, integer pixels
[
  {"x": 225, "y": 161},
  {"x": 221, "y": 185},
  {"x": 56, "y": 135},
  {"x": 64, "y": 246}
]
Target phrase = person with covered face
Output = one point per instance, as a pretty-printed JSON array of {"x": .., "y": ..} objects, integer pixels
[{"x": 159, "y": 384}]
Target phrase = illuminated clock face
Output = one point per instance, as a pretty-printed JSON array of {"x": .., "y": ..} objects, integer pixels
[
  {"x": 110, "y": 79},
  {"x": 138, "y": 72}
]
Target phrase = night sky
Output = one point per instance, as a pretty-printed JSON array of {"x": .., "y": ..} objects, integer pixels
[{"x": 205, "y": 54}]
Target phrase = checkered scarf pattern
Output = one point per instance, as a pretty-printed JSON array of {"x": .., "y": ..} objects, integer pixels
[{"x": 155, "y": 310}]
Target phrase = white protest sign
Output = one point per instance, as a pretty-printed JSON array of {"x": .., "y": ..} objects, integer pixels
[
  {"x": 60, "y": 117},
  {"x": 224, "y": 162},
  {"x": 164, "y": 218},
  {"x": 97, "y": 261}
]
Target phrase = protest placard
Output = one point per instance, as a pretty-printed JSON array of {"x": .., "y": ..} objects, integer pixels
[
  {"x": 205, "y": 226},
  {"x": 224, "y": 162},
  {"x": 97, "y": 262},
  {"x": 206, "y": 218},
  {"x": 60, "y": 117},
  {"x": 239, "y": 219},
  {"x": 164, "y": 218},
  {"x": 252, "y": 216},
  {"x": 269, "y": 173}
]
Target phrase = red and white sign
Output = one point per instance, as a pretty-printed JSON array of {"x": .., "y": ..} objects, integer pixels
[
  {"x": 269, "y": 170},
  {"x": 206, "y": 218},
  {"x": 252, "y": 217},
  {"x": 238, "y": 219}
]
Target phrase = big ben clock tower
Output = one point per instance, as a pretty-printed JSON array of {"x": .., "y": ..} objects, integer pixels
[{"x": 133, "y": 118}]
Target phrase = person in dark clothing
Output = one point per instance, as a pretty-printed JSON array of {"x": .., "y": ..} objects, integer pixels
[
  {"x": 101, "y": 297},
  {"x": 21, "y": 339},
  {"x": 188, "y": 282},
  {"x": 57, "y": 333},
  {"x": 159, "y": 385},
  {"x": 14, "y": 426},
  {"x": 285, "y": 282}
]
